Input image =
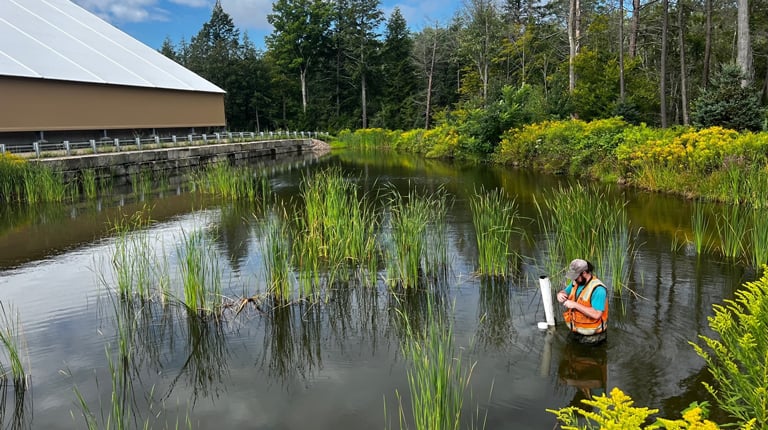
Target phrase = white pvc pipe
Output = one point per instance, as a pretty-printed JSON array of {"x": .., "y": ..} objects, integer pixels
[{"x": 546, "y": 296}]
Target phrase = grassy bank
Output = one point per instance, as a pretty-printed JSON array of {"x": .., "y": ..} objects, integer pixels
[{"x": 712, "y": 163}]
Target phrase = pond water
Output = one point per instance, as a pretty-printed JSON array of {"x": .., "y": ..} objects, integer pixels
[{"x": 339, "y": 364}]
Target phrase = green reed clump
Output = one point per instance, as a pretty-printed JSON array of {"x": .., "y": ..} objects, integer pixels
[
  {"x": 438, "y": 378},
  {"x": 11, "y": 340},
  {"x": 336, "y": 227},
  {"x": 732, "y": 225},
  {"x": 88, "y": 179},
  {"x": 43, "y": 185},
  {"x": 141, "y": 182},
  {"x": 409, "y": 217},
  {"x": 585, "y": 223},
  {"x": 200, "y": 274},
  {"x": 759, "y": 236},
  {"x": 494, "y": 216},
  {"x": 232, "y": 183},
  {"x": 737, "y": 360},
  {"x": 134, "y": 260},
  {"x": 436, "y": 249},
  {"x": 699, "y": 225},
  {"x": 277, "y": 256}
]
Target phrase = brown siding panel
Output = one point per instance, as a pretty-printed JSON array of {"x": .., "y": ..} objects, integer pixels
[{"x": 28, "y": 104}]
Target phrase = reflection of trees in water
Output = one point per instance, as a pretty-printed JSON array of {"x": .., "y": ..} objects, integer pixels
[
  {"x": 292, "y": 343},
  {"x": 495, "y": 327},
  {"x": 409, "y": 309},
  {"x": 234, "y": 232},
  {"x": 206, "y": 363}
]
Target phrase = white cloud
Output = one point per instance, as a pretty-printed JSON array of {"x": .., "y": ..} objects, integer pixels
[
  {"x": 249, "y": 14},
  {"x": 125, "y": 10},
  {"x": 193, "y": 3}
]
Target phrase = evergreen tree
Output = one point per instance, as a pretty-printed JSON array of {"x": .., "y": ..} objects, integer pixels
[
  {"x": 397, "y": 109},
  {"x": 727, "y": 104}
]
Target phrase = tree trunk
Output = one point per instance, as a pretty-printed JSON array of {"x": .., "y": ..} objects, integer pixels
[
  {"x": 571, "y": 45},
  {"x": 303, "y": 78},
  {"x": 743, "y": 48},
  {"x": 621, "y": 51},
  {"x": 663, "y": 71},
  {"x": 364, "y": 104},
  {"x": 707, "y": 42},
  {"x": 634, "y": 27},
  {"x": 683, "y": 71},
  {"x": 430, "y": 75}
]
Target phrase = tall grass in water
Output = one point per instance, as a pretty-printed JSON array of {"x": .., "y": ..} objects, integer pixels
[
  {"x": 232, "y": 183},
  {"x": 494, "y": 216},
  {"x": 200, "y": 274},
  {"x": 409, "y": 216},
  {"x": 699, "y": 225},
  {"x": 436, "y": 251},
  {"x": 43, "y": 185},
  {"x": 585, "y": 223},
  {"x": 438, "y": 378},
  {"x": 12, "y": 342},
  {"x": 139, "y": 272},
  {"x": 88, "y": 181},
  {"x": 336, "y": 227},
  {"x": 141, "y": 182},
  {"x": 277, "y": 256},
  {"x": 759, "y": 237},
  {"x": 732, "y": 225}
]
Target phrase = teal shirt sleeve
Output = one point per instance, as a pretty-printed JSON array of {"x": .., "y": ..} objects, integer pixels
[
  {"x": 598, "y": 299},
  {"x": 568, "y": 288}
]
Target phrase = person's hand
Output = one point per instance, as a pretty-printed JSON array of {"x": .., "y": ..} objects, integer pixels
[
  {"x": 562, "y": 297},
  {"x": 570, "y": 304}
]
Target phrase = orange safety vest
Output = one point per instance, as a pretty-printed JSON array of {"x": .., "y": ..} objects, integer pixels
[{"x": 582, "y": 323}]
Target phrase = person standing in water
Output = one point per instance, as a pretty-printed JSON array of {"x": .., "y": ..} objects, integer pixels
[{"x": 586, "y": 302}]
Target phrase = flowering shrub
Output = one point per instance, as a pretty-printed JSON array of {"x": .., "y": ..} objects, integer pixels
[{"x": 616, "y": 412}]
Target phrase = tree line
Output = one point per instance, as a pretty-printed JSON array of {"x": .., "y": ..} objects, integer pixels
[{"x": 340, "y": 64}]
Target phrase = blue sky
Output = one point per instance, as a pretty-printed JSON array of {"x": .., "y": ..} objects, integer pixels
[{"x": 151, "y": 21}]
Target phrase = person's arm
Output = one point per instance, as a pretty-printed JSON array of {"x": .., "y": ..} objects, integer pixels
[{"x": 562, "y": 295}]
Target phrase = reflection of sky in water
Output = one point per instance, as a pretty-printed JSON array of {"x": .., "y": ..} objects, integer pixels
[{"x": 342, "y": 369}]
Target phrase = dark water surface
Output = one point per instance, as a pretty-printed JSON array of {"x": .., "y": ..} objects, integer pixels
[{"x": 335, "y": 365}]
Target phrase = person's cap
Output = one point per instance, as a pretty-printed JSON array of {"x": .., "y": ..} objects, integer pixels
[{"x": 577, "y": 266}]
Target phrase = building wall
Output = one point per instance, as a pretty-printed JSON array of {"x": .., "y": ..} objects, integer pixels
[{"x": 28, "y": 104}]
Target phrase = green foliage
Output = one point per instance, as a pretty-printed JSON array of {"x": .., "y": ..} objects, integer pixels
[
  {"x": 737, "y": 360},
  {"x": 727, "y": 104},
  {"x": 616, "y": 412}
]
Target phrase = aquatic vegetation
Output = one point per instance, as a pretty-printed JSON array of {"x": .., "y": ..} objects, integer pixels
[
  {"x": 494, "y": 216},
  {"x": 141, "y": 182},
  {"x": 276, "y": 247},
  {"x": 232, "y": 183},
  {"x": 732, "y": 226},
  {"x": 438, "y": 378},
  {"x": 200, "y": 274},
  {"x": 88, "y": 181},
  {"x": 736, "y": 358},
  {"x": 409, "y": 217},
  {"x": 336, "y": 228},
  {"x": 139, "y": 272},
  {"x": 699, "y": 225},
  {"x": 13, "y": 348},
  {"x": 758, "y": 234},
  {"x": 583, "y": 222}
]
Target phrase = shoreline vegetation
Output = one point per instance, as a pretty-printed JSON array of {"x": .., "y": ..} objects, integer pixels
[{"x": 713, "y": 163}]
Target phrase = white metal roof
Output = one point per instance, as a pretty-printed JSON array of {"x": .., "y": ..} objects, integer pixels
[{"x": 56, "y": 39}]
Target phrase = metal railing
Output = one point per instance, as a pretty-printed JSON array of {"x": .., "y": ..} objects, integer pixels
[{"x": 40, "y": 149}]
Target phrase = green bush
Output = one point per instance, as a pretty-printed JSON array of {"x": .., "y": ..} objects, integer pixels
[
  {"x": 738, "y": 361},
  {"x": 727, "y": 104}
]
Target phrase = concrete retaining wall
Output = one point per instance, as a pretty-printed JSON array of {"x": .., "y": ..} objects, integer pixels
[{"x": 124, "y": 164}]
